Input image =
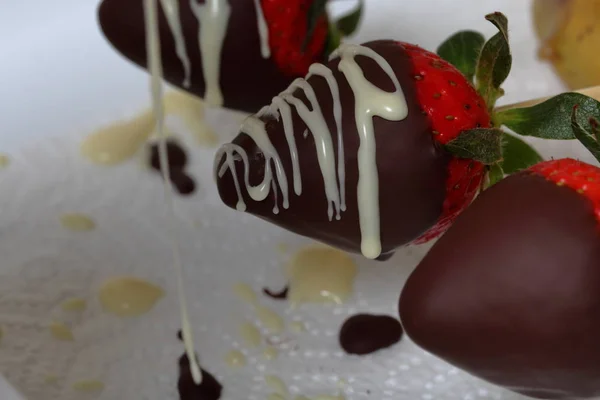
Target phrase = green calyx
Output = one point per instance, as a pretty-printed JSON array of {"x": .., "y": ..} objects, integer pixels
[
  {"x": 588, "y": 133},
  {"x": 344, "y": 26},
  {"x": 487, "y": 64}
]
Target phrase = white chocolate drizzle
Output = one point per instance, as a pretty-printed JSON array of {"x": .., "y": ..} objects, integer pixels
[
  {"x": 213, "y": 18},
  {"x": 172, "y": 14},
  {"x": 153, "y": 51},
  {"x": 370, "y": 101},
  {"x": 263, "y": 30}
]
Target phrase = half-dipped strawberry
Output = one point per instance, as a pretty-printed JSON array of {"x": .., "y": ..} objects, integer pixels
[
  {"x": 235, "y": 53},
  {"x": 511, "y": 293},
  {"x": 354, "y": 155}
]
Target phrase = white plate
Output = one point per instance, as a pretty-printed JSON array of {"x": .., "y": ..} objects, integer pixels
[{"x": 60, "y": 80}]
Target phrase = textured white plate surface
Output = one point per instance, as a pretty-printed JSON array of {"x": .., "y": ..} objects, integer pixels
[{"x": 59, "y": 82}]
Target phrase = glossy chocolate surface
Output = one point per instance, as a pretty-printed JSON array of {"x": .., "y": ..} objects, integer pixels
[
  {"x": 209, "y": 389},
  {"x": 411, "y": 166},
  {"x": 367, "y": 333},
  {"x": 248, "y": 81},
  {"x": 511, "y": 293}
]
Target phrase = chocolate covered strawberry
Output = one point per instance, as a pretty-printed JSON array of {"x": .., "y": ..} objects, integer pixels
[
  {"x": 235, "y": 53},
  {"x": 511, "y": 293},
  {"x": 384, "y": 145}
]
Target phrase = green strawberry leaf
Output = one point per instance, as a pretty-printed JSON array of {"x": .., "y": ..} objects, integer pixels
[
  {"x": 348, "y": 24},
  {"x": 494, "y": 62},
  {"x": 334, "y": 39},
  {"x": 317, "y": 9},
  {"x": 550, "y": 119},
  {"x": 495, "y": 175},
  {"x": 517, "y": 155},
  {"x": 589, "y": 138},
  {"x": 481, "y": 144},
  {"x": 462, "y": 50}
]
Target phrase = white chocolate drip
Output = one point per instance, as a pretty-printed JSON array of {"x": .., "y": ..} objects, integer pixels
[
  {"x": 370, "y": 101},
  {"x": 213, "y": 17},
  {"x": 321, "y": 70},
  {"x": 317, "y": 126},
  {"x": 155, "y": 67},
  {"x": 171, "y": 10},
  {"x": 263, "y": 30}
]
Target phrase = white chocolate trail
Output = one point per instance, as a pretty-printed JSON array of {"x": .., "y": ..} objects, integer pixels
[
  {"x": 263, "y": 30},
  {"x": 370, "y": 101},
  {"x": 213, "y": 18},
  {"x": 156, "y": 86},
  {"x": 171, "y": 10}
]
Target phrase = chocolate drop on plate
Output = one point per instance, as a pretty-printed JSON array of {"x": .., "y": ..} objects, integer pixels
[
  {"x": 412, "y": 167},
  {"x": 511, "y": 293},
  {"x": 281, "y": 295},
  {"x": 175, "y": 152},
  {"x": 367, "y": 333},
  {"x": 247, "y": 80},
  {"x": 209, "y": 388},
  {"x": 183, "y": 182}
]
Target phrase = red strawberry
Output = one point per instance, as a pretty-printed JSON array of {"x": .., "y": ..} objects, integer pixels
[
  {"x": 288, "y": 27},
  {"x": 453, "y": 106},
  {"x": 511, "y": 293},
  {"x": 421, "y": 185}
]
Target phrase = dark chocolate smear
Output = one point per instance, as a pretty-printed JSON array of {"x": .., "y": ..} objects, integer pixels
[
  {"x": 511, "y": 293},
  {"x": 184, "y": 183},
  {"x": 248, "y": 81},
  {"x": 367, "y": 333},
  {"x": 412, "y": 166},
  {"x": 178, "y": 159},
  {"x": 176, "y": 154},
  {"x": 281, "y": 295},
  {"x": 209, "y": 388}
]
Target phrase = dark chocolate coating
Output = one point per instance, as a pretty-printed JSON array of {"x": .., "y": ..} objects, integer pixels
[
  {"x": 248, "y": 81},
  {"x": 209, "y": 388},
  {"x": 511, "y": 293},
  {"x": 412, "y": 166},
  {"x": 367, "y": 333},
  {"x": 281, "y": 295}
]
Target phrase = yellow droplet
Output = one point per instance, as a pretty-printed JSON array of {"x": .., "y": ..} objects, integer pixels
[
  {"x": 119, "y": 142},
  {"x": 77, "y": 222},
  {"x": 245, "y": 293},
  {"x": 129, "y": 296},
  {"x": 276, "y": 384},
  {"x": 4, "y": 161},
  {"x": 235, "y": 358},
  {"x": 329, "y": 397},
  {"x": 270, "y": 353},
  {"x": 250, "y": 334},
  {"x": 88, "y": 386},
  {"x": 321, "y": 274},
  {"x": 1, "y": 334},
  {"x": 191, "y": 111},
  {"x": 300, "y": 397},
  {"x": 74, "y": 305},
  {"x": 283, "y": 248},
  {"x": 270, "y": 320},
  {"x": 275, "y": 396},
  {"x": 298, "y": 326},
  {"x": 51, "y": 379},
  {"x": 61, "y": 331}
]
